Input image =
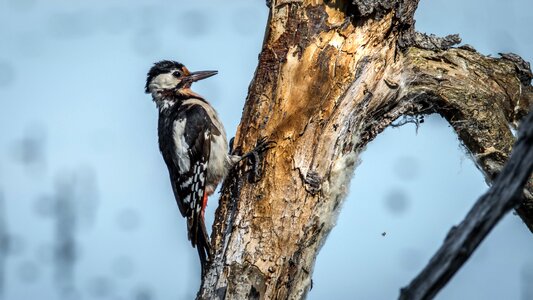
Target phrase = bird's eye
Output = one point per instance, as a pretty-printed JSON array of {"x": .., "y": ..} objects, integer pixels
[{"x": 176, "y": 74}]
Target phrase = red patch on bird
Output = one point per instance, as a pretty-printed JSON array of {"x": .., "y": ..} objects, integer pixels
[{"x": 204, "y": 204}]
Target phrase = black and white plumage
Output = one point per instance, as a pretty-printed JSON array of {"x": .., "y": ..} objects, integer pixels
[{"x": 193, "y": 143}]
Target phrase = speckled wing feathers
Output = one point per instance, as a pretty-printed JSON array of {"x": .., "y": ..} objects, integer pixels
[{"x": 185, "y": 142}]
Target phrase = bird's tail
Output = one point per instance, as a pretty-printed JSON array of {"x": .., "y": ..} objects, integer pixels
[
  {"x": 199, "y": 237},
  {"x": 203, "y": 246}
]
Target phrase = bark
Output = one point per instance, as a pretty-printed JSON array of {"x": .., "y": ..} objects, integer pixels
[{"x": 331, "y": 76}]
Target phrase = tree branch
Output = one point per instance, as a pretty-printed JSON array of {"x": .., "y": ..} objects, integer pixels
[
  {"x": 483, "y": 99},
  {"x": 462, "y": 240}
]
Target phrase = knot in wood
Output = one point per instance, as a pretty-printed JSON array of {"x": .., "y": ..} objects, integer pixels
[{"x": 313, "y": 183}]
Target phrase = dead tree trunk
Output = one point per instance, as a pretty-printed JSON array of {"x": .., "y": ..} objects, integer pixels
[{"x": 331, "y": 76}]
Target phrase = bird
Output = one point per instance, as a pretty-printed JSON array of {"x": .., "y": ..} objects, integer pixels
[{"x": 193, "y": 143}]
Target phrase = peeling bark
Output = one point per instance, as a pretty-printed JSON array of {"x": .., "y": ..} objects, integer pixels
[{"x": 331, "y": 76}]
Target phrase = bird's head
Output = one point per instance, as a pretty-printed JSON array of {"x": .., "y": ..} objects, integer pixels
[{"x": 172, "y": 78}]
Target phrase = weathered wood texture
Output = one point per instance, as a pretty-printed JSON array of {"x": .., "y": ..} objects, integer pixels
[
  {"x": 331, "y": 76},
  {"x": 463, "y": 239},
  {"x": 483, "y": 98}
]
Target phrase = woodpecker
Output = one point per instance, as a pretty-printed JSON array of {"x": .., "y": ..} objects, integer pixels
[{"x": 192, "y": 141}]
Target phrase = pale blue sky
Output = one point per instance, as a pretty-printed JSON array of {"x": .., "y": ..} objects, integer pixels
[{"x": 72, "y": 110}]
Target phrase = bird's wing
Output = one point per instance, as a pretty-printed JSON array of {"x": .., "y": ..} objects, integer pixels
[
  {"x": 189, "y": 171},
  {"x": 192, "y": 146}
]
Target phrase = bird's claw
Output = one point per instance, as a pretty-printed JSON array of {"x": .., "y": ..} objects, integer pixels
[
  {"x": 254, "y": 156},
  {"x": 263, "y": 145}
]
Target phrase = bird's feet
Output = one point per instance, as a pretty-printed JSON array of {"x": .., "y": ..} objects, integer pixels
[{"x": 254, "y": 159}]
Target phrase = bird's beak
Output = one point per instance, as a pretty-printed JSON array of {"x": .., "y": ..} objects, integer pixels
[{"x": 195, "y": 76}]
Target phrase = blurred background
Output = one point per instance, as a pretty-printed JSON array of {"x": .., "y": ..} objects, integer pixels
[{"x": 86, "y": 209}]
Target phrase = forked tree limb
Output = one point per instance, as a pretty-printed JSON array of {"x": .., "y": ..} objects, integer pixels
[
  {"x": 331, "y": 76},
  {"x": 462, "y": 240}
]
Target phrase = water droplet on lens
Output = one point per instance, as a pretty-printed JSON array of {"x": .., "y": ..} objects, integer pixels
[
  {"x": 397, "y": 201},
  {"x": 29, "y": 150},
  {"x": 143, "y": 293}
]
